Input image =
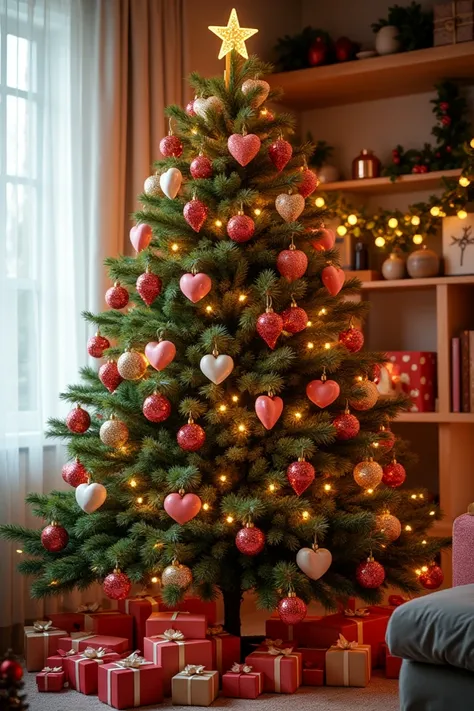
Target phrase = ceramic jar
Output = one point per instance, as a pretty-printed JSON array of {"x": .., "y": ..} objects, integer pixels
[
  {"x": 394, "y": 266},
  {"x": 423, "y": 263},
  {"x": 386, "y": 40},
  {"x": 328, "y": 173},
  {"x": 366, "y": 165}
]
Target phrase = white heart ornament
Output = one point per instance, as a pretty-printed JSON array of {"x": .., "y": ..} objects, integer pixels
[
  {"x": 170, "y": 182},
  {"x": 90, "y": 497},
  {"x": 202, "y": 106},
  {"x": 314, "y": 563},
  {"x": 264, "y": 87},
  {"x": 217, "y": 368}
]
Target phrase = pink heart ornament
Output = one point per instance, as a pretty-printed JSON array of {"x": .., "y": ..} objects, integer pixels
[
  {"x": 333, "y": 279},
  {"x": 140, "y": 236},
  {"x": 314, "y": 563},
  {"x": 160, "y": 353},
  {"x": 195, "y": 286},
  {"x": 268, "y": 410},
  {"x": 182, "y": 508},
  {"x": 323, "y": 392},
  {"x": 170, "y": 182},
  {"x": 243, "y": 148}
]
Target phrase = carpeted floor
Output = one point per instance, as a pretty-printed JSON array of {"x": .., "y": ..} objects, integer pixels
[{"x": 380, "y": 695}]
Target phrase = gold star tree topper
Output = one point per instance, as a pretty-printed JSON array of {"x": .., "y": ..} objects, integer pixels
[{"x": 233, "y": 36}]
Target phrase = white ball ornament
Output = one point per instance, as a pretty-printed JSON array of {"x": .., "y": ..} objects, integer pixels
[{"x": 314, "y": 562}]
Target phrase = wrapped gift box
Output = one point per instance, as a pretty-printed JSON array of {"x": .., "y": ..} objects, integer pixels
[
  {"x": 124, "y": 687},
  {"x": 282, "y": 673},
  {"x": 242, "y": 682},
  {"x": 50, "y": 679},
  {"x": 140, "y": 608},
  {"x": 313, "y": 657},
  {"x": 369, "y": 629},
  {"x": 78, "y": 641},
  {"x": 278, "y": 643},
  {"x": 110, "y": 623},
  {"x": 414, "y": 372},
  {"x": 300, "y": 633},
  {"x": 41, "y": 641},
  {"x": 195, "y": 606},
  {"x": 225, "y": 648},
  {"x": 82, "y": 669},
  {"x": 392, "y": 666},
  {"x": 192, "y": 626},
  {"x": 194, "y": 686},
  {"x": 69, "y": 621},
  {"x": 453, "y": 22},
  {"x": 174, "y": 654},
  {"x": 59, "y": 660},
  {"x": 313, "y": 677},
  {"x": 348, "y": 664}
]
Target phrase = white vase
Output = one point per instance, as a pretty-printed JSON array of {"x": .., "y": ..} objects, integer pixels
[
  {"x": 386, "y": 40},
  {"x": 328, "y": 173}
]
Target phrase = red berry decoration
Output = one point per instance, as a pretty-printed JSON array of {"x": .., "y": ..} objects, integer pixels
[
  {"x": 295, "y": 319},
  {"x": 432, "y": 577},
  {"x": 292, "y": 263},
  {"x": 191, "y": 437},
  {"x": 446, "y": 120},
  {"x": 280, "y": 153},
  {"x": 117, "y": 585},
  {"x": 292, "y": 609},
  {"x": 117, "y": 296},
  {"x": 156, "y": 408},
  {"x": 171, "y": 146},
  {"x": 78, "y": 420},
  {"x": 347, "y": 426},
  {"x": 109, "y": 375},
  {"x": 352, "y": 339},
  {"x": 12, "y": 670},
  {"x": 388, "y": 439},
  {"x": 195, "y": 213},
  {"x": 269, "y": 327},
  {"x": 149, "y": 287},
  {"x": 300, "y": 475},
  {"x": 96, "y": 345},
  {"x": 250, "y": 540},
  {"x": 190, "y": 108},
  {"x": 201, "y": 167},
  {"x": 75, "y": 473},
  {"x": 240, "y": 228},
  {"x": 309, "y": 183},
  {"x": 54, "y": 538},
  {"x": 370, "y": 574},
  {"x": 394, "y": 474}
]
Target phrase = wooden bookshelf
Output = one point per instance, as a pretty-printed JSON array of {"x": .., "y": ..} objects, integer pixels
[
  {"x": 384, "y": 186},
  {"x": 375, "y": 78},
  {"x": 437, "y": 417},
  {"x": 417, "y": 283}
]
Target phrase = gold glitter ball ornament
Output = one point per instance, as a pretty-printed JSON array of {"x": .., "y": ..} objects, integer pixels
[
  {"x": 368, "y": 474},
  {"x": 368, "y": 398},
  {"x": 132, "y": 365},
  {"x": 177, "y": 574},
  {"x": 152, "y": 186},
  {"x": 389, "y": 525},
  {"x": 114, "y": 433}
]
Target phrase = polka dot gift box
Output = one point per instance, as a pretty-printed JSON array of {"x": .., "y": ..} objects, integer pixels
[{"x": 414, "y": 373}]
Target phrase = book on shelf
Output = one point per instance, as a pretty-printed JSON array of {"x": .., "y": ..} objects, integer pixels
[
  {"x": 456, "y": 375},
  {"x": 462, "y": 372},
  {"x": 465, "y": 373}
]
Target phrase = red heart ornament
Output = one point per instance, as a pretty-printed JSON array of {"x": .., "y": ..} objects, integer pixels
[
  {"x": 325, "y": 239},
  {"x": 323, "y": 392},
  {"x": 268, "y": 410},
  {"x": 309, "y": 183},
  {"x": 195, "y": 213},
  {"x": 269, "y": 327},
  {"x": 159, "y": 354},
  {"x": 243, "y": 148},
  {"x": 333, "y": 279},
  {"x": 300, "y": 475},
  {"x": 195, "y": 286},
  {"x": 140, "y": 236},
  {"x": 182, "y": 508},
  {"x": 292, "y": 264}
]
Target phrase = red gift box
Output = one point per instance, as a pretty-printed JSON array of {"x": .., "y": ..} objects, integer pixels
[
  {"x": 242, "y": 684},
  {"x": 414, "y": 373},
  {"x": 173, "y": 655},
  {"x": 82, "y": 669},
  {"x": 313, "y": 657},
  {"x": 78, "y": 641},
  {"x": 59, "y": 660},
  {"x": 313, "y": 677},
  {"x": 124, "y": 687},
  {"x": 346, "y": 604},
  {"x": 282, "y": 673},
  {"x": 225, "y": 648},
  {"x": 195, "y": 606},
  {"x": 369, "y": 629},
  {"x": 300, "y": 633},
  {"x": 140, "y": 608},
  {"x": 192, "y": 626},
  {"x": 50, "y": 679},
  {"x": 111, "y": 624},
  {"x": 392, "y": 666},
  {"x": 69, "y": 621}
]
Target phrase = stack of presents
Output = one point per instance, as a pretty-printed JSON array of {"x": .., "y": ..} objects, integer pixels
[{"x": 143, "y": 652}]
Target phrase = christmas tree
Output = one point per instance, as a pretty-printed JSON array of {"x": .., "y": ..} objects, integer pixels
[
  {"x": 11, "y": 684},
  {"x": 235, "y": 423}
]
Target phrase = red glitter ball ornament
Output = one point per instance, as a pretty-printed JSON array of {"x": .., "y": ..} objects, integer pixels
[
  {"x": 156, "y": 408},
  {"x": 347, "y": 426},
  {"x": 190, "y": 108},
  {"x": 201, "y": 167},
  {"x": 191, "y": 437},
  {"x": 250, "y": 540},
  {"x": 432, "y": 578},
  {"x": 75, "y": 473},
  {"x": 117, "y": 296},
  {"x": 149, "y": 287},
  {"x": 96, "y": 345},
  {"x": 370, "y": 574},
  {"x": 109, "y": 375},
  {"x": 387, "y": 440},
  {"x": 300, "y": 475},
  {"x": 195, "y": 213},
  {"x": 292, "y": 264},
  {"x": 240, "y": 228},
  {"x": 269, "y": 327},
  {"x": 295, "y": 319},
  {"x": 280, "y": 153},
  {"x": 54, "y": 538},
  {"x": 292, "y": 609},
  {"x": 352, "y": 339},
  {"x": 394, "y": 474},
  {"x": 171, "y": 146},
  {"x": 117, "y": 585},
  {"x": 78, "y": 420},
  {"x": 309, "y": 183},
  {"x": 12, "y": 670}
]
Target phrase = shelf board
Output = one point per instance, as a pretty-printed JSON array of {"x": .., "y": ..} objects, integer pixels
[
  {"x": 437, "y": 417},
  {"x": 417, "y": 283},
  {"x": 384, "y": 186},
  {"x": 375, "y": 78}
]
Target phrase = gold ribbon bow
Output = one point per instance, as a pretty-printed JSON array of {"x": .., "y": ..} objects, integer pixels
[
  {"x": 213, "y": 631},
  {"x": 43, "y": 625},
  {"x": 89, "y": 607},
  {"x": 170, "y": 635},
  {"x": 69, "y": 653},
  {"x": 343, "y": 643},
  {"x": 51, "y": 670},
  {"x": 91, "y": 653},
  {"x": 360, "y": 612},
  {"x": 274, "y": 651},
  {"x": 191, "y": 669},
  {"x": 241, "y": 668},
  {"x": 273, "y": 642},
  {"x": 133, "y": 661}
]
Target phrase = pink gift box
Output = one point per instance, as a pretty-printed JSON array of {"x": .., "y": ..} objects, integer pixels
[
  {"x": 313, "y": 677},
  {"x": 125, "y": 688},
  {"x": 174, "y": 656},
  {"x": 192, "y": 626},
  {"x": 282, "y": 674},
  {"x": 368, "y": 630},
  {"x": 242, "y": 685},
  {"x": 59, "y": 660},
  {"x": 50, "y": 681},
  {"x": 110, "y": 623},
  {"x": 39, "y": 645},
  {"x": 78, "y": 641},
  {"x": 195, "y": 606},
  {"x": 300, "y": 633},
  {"x": 225, "y": 649},
  {"x": 69, "y": 621},
  {"x": 140, "y": 608},
  {"x": 82, "y": 672}
]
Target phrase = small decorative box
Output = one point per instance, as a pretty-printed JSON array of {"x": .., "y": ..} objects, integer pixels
[
  {"x": 225, "y": 648},
  {"x": 414, "y": 373},
  {"x": 242, "y": 682},
  {"x": 195, "y": 606},
  {"x": 50, "y": 679},
  {"x": 41, "y": 642},
  {"x": 78, "y": 641},
  {"x": 194, "y": 686},
  {"x": 192, "y": 626},
  {"x": 313, "y": 677},
  {"x": 348, "y": 664},
  {"x": 82, "y": 669},
  {"x": 453, "y": 22},
  {"x": 282, "y": 671},
  {"x": 129, "y": 683},
  {"x": 59, "y": 660},
  {"x": 110, "y": 623},
  {"x": 140, "y": 608},
  {"x": 172, "y": 652}
]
